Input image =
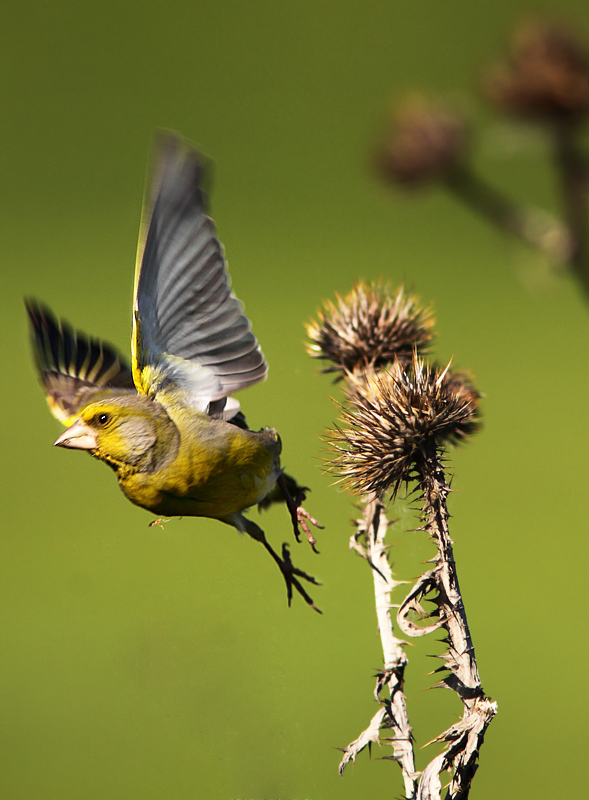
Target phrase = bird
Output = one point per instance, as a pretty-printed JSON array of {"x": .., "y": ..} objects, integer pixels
[{"x": 168, "y": 424}]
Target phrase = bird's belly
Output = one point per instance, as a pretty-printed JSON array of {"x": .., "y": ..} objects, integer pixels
[{"x": 216, "y": 486}]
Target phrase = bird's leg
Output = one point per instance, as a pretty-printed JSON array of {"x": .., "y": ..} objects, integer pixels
[
  {"x": 298, "y": 514},
  {"x": 290, "y": 573},
  {"x": 160, "y": 521}
]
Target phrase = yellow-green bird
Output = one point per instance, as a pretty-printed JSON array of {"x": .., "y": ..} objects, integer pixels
[{"x": 168, "y": 426}]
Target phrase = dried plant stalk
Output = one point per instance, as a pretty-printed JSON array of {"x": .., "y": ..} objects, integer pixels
[
  {"x": 534, "y": 226},
  {"x": 369, "y": 542},
  {"x": 465, "y": 737},
  {"x": 396, "y": 420},
  {"x": 573, "y": 172}
]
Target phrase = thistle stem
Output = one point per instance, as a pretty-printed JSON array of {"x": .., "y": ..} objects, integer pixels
[
  {"x": 537, "y": 228},
  {"x": 464, "y": 739},
  {"x": 572, "y": 169},
  {"x": 461, "y": 653},
  {"x": 369, "y": 541}
]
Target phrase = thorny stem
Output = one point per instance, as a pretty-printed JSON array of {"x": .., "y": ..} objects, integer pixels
[
  {"x": 461, "y": 649},
  {"x": 574, "y": 185},
  {"x": 368, "y": 540},
  {"x": 465, "y": 738},
  {"x": 535, "y": 227}
]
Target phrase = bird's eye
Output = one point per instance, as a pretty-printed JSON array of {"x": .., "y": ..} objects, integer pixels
[{"x": 102, "y": 419}]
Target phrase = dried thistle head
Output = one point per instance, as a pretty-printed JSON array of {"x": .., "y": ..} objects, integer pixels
[
  {"x": 546, "y": 76},
  {"x": 370, "y": 327},
  {"x": 394, "y": 417},
  {"x": 424, "y": 142}
]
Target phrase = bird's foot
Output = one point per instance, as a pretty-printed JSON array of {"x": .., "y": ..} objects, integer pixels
[
  {"x": 299, "y": 515},
  {"x": 301, "y": 519},
  {"x": 160, "y": 522},
  {"x": 290, "y": 573}
]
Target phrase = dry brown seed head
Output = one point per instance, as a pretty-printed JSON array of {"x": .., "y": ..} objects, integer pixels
[
  {"x": 391, "y": 418},
  {"x": 370, "y": 327},
  {"x": 424, "y": 142},
  {"x": 546, "y": 75}
]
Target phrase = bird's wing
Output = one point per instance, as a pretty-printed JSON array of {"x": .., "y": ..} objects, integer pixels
[
  {"x": 191, "y": 340},
  {"x": 73, "y": 367}
]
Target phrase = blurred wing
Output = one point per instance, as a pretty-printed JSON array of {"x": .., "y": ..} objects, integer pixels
[
  {"x": 190, "y": 335},
  {"x": 73, "y": 368}
]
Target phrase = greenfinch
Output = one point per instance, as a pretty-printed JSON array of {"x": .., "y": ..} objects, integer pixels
[{"x": 168, "y": 425}]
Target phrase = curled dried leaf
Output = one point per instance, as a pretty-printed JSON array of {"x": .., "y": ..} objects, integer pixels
[
  {"x": 411, "y": 604},
  {"x": 368, "y": 737}
]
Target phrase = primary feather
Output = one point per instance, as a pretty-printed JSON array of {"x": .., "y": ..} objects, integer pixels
[
  {"x": 73, "y": 367},
  {"x": 190, "y": 334}
]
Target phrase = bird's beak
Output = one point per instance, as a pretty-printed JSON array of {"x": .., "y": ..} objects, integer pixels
[{"x": 78, "y": 437}]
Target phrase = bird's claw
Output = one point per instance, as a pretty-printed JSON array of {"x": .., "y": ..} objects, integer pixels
[
  {"x": 290, "y": 574},
  {"x": 302, "y": 517},
  {"x": 159, "y": 522},
  {"x": 299, "y": 515}
]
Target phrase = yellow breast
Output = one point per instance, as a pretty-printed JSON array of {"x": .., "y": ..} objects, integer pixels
[{"x": 219, "y": 470}]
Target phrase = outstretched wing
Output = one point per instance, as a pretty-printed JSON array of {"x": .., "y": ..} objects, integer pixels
[
  {"x": 73, "y": 368},
  {"x": 191, "y": 339}
]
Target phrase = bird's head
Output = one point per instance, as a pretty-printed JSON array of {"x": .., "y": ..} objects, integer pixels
[{"x": 129, "y": 431}]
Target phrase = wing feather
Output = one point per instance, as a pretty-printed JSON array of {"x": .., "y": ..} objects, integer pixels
[
  {"x": 190, "y": 334},
  {"x": 73, "y": 367}
]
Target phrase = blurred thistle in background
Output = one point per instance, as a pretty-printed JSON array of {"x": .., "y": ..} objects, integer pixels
[
  {"x": 426, "y": 142},
  {"x": 545, "y": 81},
  {"x": 545, "y": 77}
]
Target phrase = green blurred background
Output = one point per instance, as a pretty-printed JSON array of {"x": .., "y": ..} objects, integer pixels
[{"x": 141, "y": 663}]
